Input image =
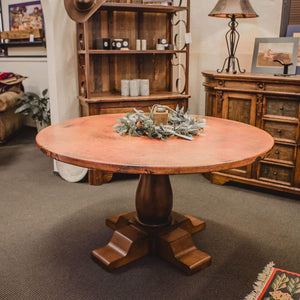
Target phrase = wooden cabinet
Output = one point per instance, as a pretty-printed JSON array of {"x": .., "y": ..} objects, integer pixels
[
  {"x": 100, "y": 71},
  {"x": 271, "y": 103}
]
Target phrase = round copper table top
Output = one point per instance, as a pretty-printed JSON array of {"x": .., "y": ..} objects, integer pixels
[{"x": 91, "y": 142}]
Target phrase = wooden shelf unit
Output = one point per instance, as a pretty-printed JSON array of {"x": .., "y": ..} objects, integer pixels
[
  {"x": 128, "y": 52},
  {"x": 100, "y": 71},
  {"x": 271, "y": 103},
  {"x": 141, "y": 7},
  {"x": 22, "y": 44}
]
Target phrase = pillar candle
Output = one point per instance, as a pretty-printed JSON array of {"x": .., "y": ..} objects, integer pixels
[
  {"x": 145, "y": 87},
  {"x": 134, "y": 88},
  {"x": 138, "y": 45},
  {"x": 125, "y": 88},
  {"x": 144, "y": 45}
]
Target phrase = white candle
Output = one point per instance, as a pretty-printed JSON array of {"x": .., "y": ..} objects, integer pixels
[
  {"x": 125, "y": 88},
  {"x": 138, "y": 45},
  {"x": 145, "y": 87},
  {"x": 144, "y": 45},
  {"x": 134, "y": 88}
]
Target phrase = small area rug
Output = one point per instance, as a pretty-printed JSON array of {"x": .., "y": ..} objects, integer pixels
[{"x": 273, "y": 284}]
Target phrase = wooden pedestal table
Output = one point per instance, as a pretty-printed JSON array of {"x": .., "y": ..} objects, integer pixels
[{"x": 153, "y": 229}]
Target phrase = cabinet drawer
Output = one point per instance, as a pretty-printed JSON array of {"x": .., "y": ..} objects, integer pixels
[
  {"x": 277, "y": 173},
  {"x": 285, "y": 108},
  {"x": 284, "y": 153},
  {"x": 280, "y": 130}
]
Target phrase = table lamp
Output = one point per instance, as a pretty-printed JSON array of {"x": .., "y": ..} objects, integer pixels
[{"x": 232, "y": 9}]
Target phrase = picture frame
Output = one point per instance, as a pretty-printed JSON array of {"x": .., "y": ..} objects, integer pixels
[
  {"x": 25, "y": 16},
  {"x": 294, "y": 31},
  {"x": 284, "y": 49}
]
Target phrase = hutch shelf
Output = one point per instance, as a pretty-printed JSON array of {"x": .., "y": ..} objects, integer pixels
[
  {"x": 271, "y": 103},
  {"x": 100, "y": 71}
]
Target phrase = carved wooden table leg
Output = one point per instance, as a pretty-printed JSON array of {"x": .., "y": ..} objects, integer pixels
[
  {"x": 97, "y": 177},
  {"x": 153, "y": 229}
]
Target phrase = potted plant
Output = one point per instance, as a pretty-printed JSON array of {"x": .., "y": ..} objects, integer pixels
[{"x": 36, "y": 107}]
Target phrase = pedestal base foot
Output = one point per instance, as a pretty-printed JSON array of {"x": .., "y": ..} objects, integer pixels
[
  {"x": 178, "y": 248},
  {"x": 173, "y": 242},
  {"x": 127, "y": 244}
]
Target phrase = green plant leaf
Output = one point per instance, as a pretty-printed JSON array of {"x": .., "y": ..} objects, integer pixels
[
  {"x": 179, "y": 123},
  {"x": 35, "y": 106},
  {"x": 22, "y": 108}
]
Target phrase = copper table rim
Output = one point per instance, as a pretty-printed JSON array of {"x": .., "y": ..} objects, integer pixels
[{"x": 155, "y": 170}]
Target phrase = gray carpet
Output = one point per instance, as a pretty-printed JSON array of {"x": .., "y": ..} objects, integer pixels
[{"x": 48, "y": 228}]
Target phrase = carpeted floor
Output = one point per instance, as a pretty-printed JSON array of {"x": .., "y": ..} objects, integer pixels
[{"x": 48, "y": 228}]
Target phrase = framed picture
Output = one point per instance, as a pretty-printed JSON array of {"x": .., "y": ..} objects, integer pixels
[
  {"x": 25, "y": 16},
  {"x": 268, "y": 51},
  {"x": 294, "y": 31}
]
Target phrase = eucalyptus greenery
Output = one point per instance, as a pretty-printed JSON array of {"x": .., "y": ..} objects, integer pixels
[
  {"x": 36, "y": 107},
  {"x": 180, "y": 124}
]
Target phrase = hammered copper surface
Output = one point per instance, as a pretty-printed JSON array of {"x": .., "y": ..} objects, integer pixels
[{"x": 91, "y": 142}]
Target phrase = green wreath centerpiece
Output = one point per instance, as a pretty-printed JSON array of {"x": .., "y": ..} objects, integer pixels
[{"x": 180, "y": 124}]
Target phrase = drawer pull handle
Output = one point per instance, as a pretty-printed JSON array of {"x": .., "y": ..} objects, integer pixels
[
  {"x": 277, "y": 152},
  {"x": 282, "y": 108},
  {"x": 279, "y": 131},
  {"x": 275, "y": 173}
]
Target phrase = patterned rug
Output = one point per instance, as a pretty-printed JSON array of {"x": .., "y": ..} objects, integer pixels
[{"x": 273, "y": 284}]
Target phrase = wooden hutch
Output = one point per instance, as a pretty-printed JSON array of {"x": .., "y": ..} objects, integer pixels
[
  {"x": 271, "y": 103},
  {"x": 100, "y": 71}
]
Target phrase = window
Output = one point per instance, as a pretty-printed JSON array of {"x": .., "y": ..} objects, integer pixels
[
  {"x": 290, "y": 15},
  {"x": 294, "y": 13}
]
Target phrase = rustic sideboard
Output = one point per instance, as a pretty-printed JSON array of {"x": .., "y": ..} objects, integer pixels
[{"x": 271, "y": 103}]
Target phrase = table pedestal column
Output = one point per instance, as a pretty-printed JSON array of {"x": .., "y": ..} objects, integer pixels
[{"x": 153, "y": 229}]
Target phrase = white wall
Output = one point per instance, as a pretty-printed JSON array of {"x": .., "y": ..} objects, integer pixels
[
  {"x": 208, "y": 49},
  {"x": 34, "y": 68}
]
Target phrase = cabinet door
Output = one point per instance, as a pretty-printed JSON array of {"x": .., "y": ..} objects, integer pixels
[
  {"x": 242, "y": 108},
  {"x": 239, "y": 107}
]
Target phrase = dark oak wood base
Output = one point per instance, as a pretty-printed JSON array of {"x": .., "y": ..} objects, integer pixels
[
  {"x": 222, "y": 178},
  {"x": 97, "y": 177},
  {"x": 172, "y": 242},
  {"x": 153, "y": 229}
]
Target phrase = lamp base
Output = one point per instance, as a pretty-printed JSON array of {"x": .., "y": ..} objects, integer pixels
[
  {"x": 232, "y": 38},
  {"x": 231, "y": 63}
]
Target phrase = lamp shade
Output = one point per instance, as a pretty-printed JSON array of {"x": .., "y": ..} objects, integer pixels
[
  {"x": 81, "y": 10},
  {"x": 238, "y": 8}
]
